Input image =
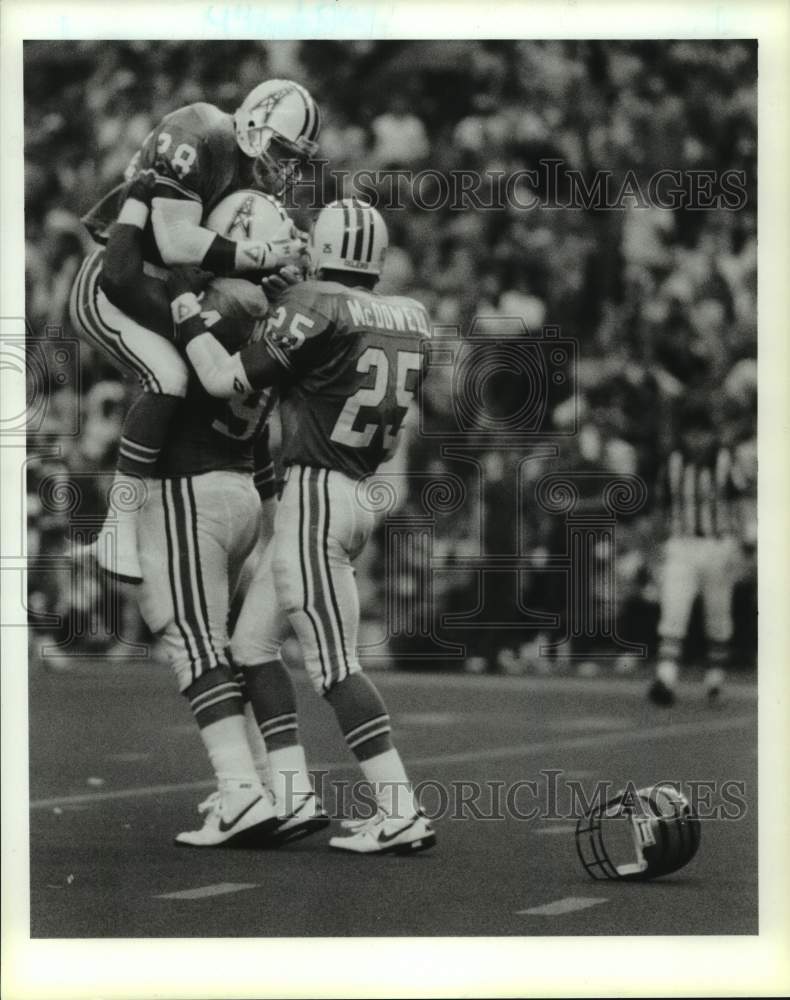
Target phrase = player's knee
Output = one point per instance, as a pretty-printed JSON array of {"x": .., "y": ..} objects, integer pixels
[
  {"x": 325, "y": 678},
  {"x": 172, "y": 378},
  {"x": 288, "y": 584},
  {"x": 247, "y": 647},
  {"x": 185, "y": 665}
]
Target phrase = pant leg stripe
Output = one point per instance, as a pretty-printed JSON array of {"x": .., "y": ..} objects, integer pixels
[
  {"x": 175, "y": 588},
  {"x": 199, "y": 571},
  {"x": 322, "y": 584},
  {"x": 193, "y": 581},
  {"x": 338, "y": 618},
  {"x": 191, "y": 616},
  {"x": 137, "y": 362},
  {"x": 90, "y": 327},
  {"x": 144, "y": 373},
  {"x": 307, "y": 577}
]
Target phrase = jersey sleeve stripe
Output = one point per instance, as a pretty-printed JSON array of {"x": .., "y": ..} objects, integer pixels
[
  {"x": 179, "y": 188},
  {"x": 279, "y": 355}
]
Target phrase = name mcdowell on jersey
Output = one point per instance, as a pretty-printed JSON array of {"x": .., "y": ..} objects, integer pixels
[{"x": 387, "y": 316}]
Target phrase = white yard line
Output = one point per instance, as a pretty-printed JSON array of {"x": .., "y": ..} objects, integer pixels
[
  {"x": 554, "y": 830},
  {"x": 589, "y": 741},
  {"x": 628, "y": 687},
  {"x": 570, "y": 904},
  {"x": 205, "y": 891}
]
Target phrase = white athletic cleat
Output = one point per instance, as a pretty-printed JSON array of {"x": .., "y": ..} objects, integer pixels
[
  {"x": 307, "y": 817},
  {"x": 240, "y": 817},
  {"x": 115, "y": 550},
  {"x": 383, "y": 834},
  {"x": 714, "y": 683}
]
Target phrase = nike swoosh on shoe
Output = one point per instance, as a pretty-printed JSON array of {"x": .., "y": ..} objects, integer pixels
[
  {"x": 385, "y": 838},
  {"x": 225, "y": 827}
]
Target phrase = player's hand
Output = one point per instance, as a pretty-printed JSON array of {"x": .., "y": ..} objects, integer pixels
[
  {"x": 142, "y": 187},
  {"x": 287, "y": 247},
  {"x": 275, "y": 284},
  {"x": 186, "y": 278}
]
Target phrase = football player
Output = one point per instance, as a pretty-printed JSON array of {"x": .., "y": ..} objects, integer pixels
[
  {"x": 699, "y": 493},
  {"x": 200, "y": 521},
  {"x": 200, "y": 154},
  {"x": 347, "y": 363}
]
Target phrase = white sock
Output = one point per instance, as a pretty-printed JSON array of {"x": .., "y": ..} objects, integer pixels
[
  {"x": 714, "y": 678},
  {"x": 290, "y": 779},
  {"x": 257, "y": 746},
  {"x": 391, "y": 785},
  {"x": 667, "y": 672},
  {"x": 230, "y": 754},
  {"x": 127, "y": 495}
]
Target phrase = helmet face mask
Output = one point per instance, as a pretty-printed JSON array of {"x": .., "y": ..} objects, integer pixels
[
  {"x": 277, "y": 126},
  {"x": 278, "y": 167},
  {"x": 638, "y": 836}
]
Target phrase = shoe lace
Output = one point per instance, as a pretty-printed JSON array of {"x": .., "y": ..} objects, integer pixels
[
  {"x": 359, "y": 825},
  {"x": 209, "y": 804}
]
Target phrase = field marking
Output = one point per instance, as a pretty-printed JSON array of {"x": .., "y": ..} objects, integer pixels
[
  {"x": 643, "y": 735},
  {"x": 570, "y": 904},
  {"x": 554, "y": 830},
  {"x": 626, "y": 686},
  {"x": 430, "y": 718},
  {"x": 591, "y": 722},
  {"x": 204, "y": 891}
]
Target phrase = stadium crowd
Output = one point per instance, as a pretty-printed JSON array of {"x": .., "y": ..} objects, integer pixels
[{"x": 661, "y": 302}]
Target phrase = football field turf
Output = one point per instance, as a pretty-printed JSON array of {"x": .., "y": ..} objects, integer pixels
[{"x": 117, "y": 768}]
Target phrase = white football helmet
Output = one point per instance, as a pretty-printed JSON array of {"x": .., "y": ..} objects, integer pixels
[
  {"x": 278, "y": 124},
  {"x": 349, "y": 235},
  {"x": 243, "y": 215},
  {"x": 248, "y": 215}
]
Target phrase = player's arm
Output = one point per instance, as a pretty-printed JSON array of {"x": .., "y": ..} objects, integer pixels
[
  {"x": 264, "y": 475},
  {"x": 123, "y": 280},
  {"x": 264, "y": 363},
  {"x": 181, "y": 239},
  {"x": 192, "y": 167},
  {"x": 221, "y": 373}
]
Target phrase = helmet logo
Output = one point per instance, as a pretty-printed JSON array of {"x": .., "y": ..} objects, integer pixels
[
  {"x": 269, "y": 103},
  {"x": 242, "y": 220}
]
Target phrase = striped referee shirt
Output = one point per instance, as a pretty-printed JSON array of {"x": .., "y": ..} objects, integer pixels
[{"x": 699, "y": 497}]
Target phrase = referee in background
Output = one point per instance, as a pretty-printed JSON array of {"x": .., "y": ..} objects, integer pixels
[{"x": 699, "y": 493}]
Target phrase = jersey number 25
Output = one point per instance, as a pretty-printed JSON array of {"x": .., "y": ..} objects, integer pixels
[{"x": 380, "y": 393}]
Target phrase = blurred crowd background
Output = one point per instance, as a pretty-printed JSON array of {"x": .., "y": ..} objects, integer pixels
[{"x": 662, "y": 303}]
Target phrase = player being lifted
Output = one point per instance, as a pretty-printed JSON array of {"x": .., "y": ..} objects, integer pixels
[
  {"x": 200, "y": 154},
  {"x": 347, "y": 363},
  {"x": 200, "y": 520}
]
